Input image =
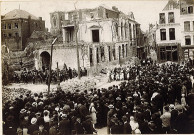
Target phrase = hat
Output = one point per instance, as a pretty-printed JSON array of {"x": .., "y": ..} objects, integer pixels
[
  {"x": 111, "y": 106},
  {"x": 34, "y": 104},
  {"x": 33, "y": 120},
  {"x": 11, "y": 107},
  {"x": 118, "y": 98},
  {"x": 40, "y": 103},
  {"x": 124, "y": 118},
  {"x": 22, "y": 111},
  {"x": 135, "y": 95},
  {"x": 132, "y": 118},
  {"x": 171, "y": 106},
  {"x": 9, "y": 118},
  {"x": 64, "y": 116},
  {"x": 38, "y": 114},
  {"x": 183, "y": 95}
]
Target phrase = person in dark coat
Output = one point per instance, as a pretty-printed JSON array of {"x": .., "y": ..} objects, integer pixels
[
  {"x": 53, "y": 129},
  {"x": 83, "y": 111},
  {"x": 115, "y": 128},
  {"x": 64, "y": 125},
  {"x": 88, "y": 126},
  {"x": 33, "y": 127},
  {"x": 79, "y": 127},
  {"x": 70, "y": 73},
  {"x": 126, "y": 127},
  {"x": 41, "y": 131},
  {"x": 10, "y": 128}
]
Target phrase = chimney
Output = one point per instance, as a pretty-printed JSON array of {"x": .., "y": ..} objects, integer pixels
[
  {"x": 29, "y": 17},
  {"x": 40, "y": 18}
]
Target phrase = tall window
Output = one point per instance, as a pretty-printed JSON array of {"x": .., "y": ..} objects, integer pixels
[
  {"x": 123, "y": 50},
  {"x": 172, "y": 33},
  {"x": 102, "y": 54},
  {"x": 97, "y": 56},
  {"x": 109, "y": 53},
  {"x": 187, "y": 26},
  {"x": 106, "y": 15},
  {"x": 95, "y": 35},
  {"x": 4, "y": 35},
  {"x": 3, "y": 26},
  {"x": 162, "y": 18},
  {"x": 162, "y": 53},
  {"x": 163, "y": 34},
  {"x": 10, "y": 35},
  {"x": 193, "y": 25},
  {"x": 125, "y": 28},
  {"x": 121, "y": 30},
  {"x": 91, "y": 57},
  {"x": 134, "y": 31},
  {"x": 16, "y": 25},
  {"x": 190, "y": 9},
  {"x": 113, "y": 53},
  {"x": 117, "y": 29},
  {"x": 126, "y": 50},
  {"x": 130, "y": 31},
  {"x": 170, "y": 17},
  {"x": 188, "y": 40},
  {"x": 54, "y": 21},
  {"x": 9, "y": 25}
]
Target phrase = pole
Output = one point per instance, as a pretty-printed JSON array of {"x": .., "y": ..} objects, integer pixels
[
  {"x": 58, "y": 79},
  {"x": 78, "y": 62},
  {"x": 50, "y": 65}
]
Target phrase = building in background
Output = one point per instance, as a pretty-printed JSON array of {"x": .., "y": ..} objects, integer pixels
[
  {"x": 187, "y": 28},
  {"x": 106, "y": 36},
  {"x": 17, "y": 26},
  {"x": 168, "y": 33}
]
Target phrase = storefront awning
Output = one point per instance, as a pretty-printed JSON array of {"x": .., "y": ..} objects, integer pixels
[
  {"x": 68, "y": 26},
  {"x": 168, "y": 44},
  {"x": 187, "y": 47}
]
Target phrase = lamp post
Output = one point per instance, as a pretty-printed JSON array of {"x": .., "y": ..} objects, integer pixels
[
  {"x": 76, "y": 30},
  {"x": 58, "y": 78},
  {"x": 50, "y": 65}
]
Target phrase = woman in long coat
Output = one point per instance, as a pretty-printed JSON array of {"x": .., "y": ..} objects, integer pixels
[{"x": 92, "y": 111}]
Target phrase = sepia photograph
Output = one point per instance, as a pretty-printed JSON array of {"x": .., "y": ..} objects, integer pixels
[{"x": 71, "y": 67}]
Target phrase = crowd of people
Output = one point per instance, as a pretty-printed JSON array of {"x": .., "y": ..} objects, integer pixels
[
  {"x": 42, "y": 76},
  {"x": 153, "y": 99}
]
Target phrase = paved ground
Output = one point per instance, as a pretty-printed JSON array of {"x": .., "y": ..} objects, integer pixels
[{"x": 102, "y": 131}]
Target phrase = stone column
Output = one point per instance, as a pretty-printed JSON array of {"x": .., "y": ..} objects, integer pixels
[
  {"x": 119, "y": 31},
  {"x": 64, "y": 35}
]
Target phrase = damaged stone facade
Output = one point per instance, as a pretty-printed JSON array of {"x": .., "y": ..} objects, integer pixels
[
  {"x": 105, "y": 37},
  {"x": 17, "y": 26}
]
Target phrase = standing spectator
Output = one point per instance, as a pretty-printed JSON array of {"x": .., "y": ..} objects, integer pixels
[
  {"x": 33, "y": 127},
  {"x": 79, "y": 127},
  {"x": 92, "y": 111},
  {"x": 41, "y": 131},
  {"x": 166, "y": 120},
  {"x": 126, "y": 127}
]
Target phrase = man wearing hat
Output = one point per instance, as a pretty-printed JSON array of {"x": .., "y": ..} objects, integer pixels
[
  {"x": 40, "y": 131},
  {"x": 88, "y": 126},
  {"x": 78, "y": 126},
  {"x": 10, "y": 128},
  {"x": 165, "y": 117},
  {"x": 126, "y": 127},
  {"x": 109, "y": 116},
  {"x": 33, "y": 127}
]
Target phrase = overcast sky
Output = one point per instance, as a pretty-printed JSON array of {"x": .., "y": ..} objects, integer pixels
[{"x": 145, "y": 11}]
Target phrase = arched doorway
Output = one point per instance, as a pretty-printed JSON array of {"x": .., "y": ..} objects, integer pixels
[{"x": 45, "y": 59}]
